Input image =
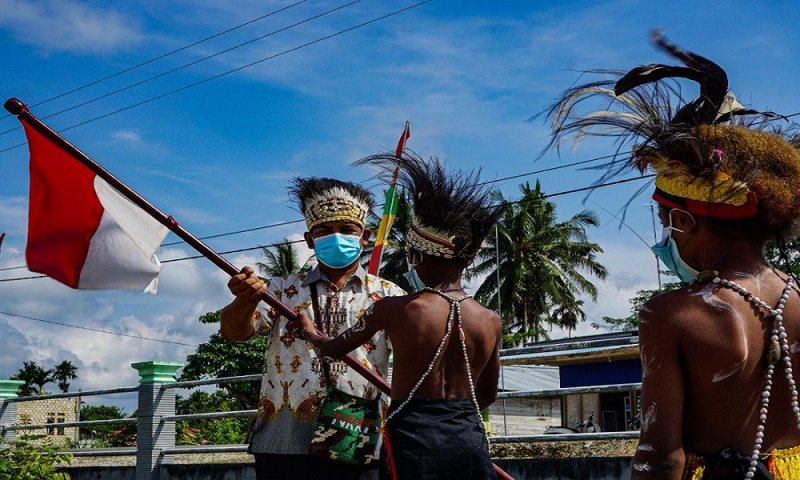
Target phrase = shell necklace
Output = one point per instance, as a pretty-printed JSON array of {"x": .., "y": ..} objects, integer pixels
[
  {"x": 778, "y": 351},
  {"x": 453, "y": 317}
]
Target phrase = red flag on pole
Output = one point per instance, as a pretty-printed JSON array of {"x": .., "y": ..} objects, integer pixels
[
  {"x": 81, "y": 231},
  {"x": 389, "y": 208}
]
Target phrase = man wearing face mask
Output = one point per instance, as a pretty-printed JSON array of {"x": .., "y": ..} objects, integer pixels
[
  {"x": 446, "y": 345},
  {"x": 341, "y": 291},
  {"x": 719, "y": 387}
]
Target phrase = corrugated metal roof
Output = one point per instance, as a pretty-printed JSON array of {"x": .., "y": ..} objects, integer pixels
[
  {"x": 517, "y": 378},
  {"x": 574, "y": 355}
]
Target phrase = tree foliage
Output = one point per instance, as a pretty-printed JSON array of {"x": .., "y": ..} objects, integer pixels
[
  {"x": 27, "y": 458},
  {"x": 541, "y": 266},
  {"x": 216, "y": 431},
  {"x": 790, "y": 262},
  {"x": 102, "y": 436},
  {"x": 281, "y": 261},
  {"x": 63, "y": 373},
  {"x": 225, "y": 358},
  {"x": 35, "y": 378}
]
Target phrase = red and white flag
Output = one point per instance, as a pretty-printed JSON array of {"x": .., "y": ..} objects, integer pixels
[{"x": 81, "y": 231}]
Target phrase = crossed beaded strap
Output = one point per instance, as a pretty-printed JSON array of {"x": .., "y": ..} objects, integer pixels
[
  {"x": 778, "y": 350},
  {"x": 453, "y": 316}
]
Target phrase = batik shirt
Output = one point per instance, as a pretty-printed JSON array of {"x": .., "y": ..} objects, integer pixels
[{"x": 294, "y": 382}]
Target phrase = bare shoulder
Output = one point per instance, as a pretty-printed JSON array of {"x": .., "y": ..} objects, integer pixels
[
  {"x": 680, "y": 311},
  {"x": 383, "y": 312},
  {"x": 484, "y": 316}
]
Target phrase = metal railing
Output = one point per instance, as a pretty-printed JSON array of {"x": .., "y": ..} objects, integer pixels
[{"x": 157, "y": 416}]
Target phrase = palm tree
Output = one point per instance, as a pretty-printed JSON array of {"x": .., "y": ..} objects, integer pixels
[
  {"x": 541, "y": 264},
  {"x": 63, "y": 373},
  {"x": 393, "y": 264},
  {"x": 35, "y": 378},
  {"x": 281, "y": 262}
]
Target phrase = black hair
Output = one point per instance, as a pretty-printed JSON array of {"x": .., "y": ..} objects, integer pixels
[{"x": 453, "y": 202}]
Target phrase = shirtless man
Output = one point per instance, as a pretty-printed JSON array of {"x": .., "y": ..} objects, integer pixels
[
  {"x": 719, "y": 394},
  {"x": 446, "y": 345}
]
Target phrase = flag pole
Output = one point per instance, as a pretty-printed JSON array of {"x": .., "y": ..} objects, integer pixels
[{"x": 20, "y": 110}]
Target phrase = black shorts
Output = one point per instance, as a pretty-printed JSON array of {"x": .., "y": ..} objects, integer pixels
[{"x": 436, "y": 439}]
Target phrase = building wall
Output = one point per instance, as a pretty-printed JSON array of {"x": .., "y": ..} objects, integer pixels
[
  {"x": 52, "y": 410},
  {"x": 578, "y": 408},
  {"x": 524, "y": 416}
]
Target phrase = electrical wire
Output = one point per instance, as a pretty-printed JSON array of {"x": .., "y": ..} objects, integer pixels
[
  {"x": 190, "y": 64},
  {"x": 160, "y": 57},
  {"x": 290, "y": 222},
  {"x": 247, "y": 249},
  {"x": 139, "y": 337},
  {"x": 234, "y": 70}
]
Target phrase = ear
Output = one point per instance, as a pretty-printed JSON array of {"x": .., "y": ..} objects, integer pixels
[
  {"x": 683, "y": 220},
  {"x": 365, "y": 235},
  {"x": 309, "y": 240}
]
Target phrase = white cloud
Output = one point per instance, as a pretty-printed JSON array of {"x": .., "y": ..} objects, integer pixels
[
  {"x": 68, "y": 25},
  {"x": 129, "y": 136}
]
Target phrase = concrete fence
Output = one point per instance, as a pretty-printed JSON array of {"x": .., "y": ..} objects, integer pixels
[{"x": 155, "y": 425}]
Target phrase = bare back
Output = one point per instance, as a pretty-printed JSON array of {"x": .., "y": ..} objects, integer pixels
[
  {"x": 720, "y": 341},
  {"x": 417, "y": 323}
]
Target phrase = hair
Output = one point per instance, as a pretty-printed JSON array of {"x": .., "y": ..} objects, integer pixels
[
  {"x": 305, "y": 188},
  {"x": 452, "y": 202},
  {"x": 645, "y": 111}
]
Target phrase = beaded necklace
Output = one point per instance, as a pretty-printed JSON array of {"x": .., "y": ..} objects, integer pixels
[
  {"x": 453, "y": 317},
  {"x": 778, "y": 350}
]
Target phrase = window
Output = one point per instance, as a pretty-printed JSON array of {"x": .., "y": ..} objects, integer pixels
[
  {"x": 60, "y": 418},
  {"x": 51, "y": 418}
]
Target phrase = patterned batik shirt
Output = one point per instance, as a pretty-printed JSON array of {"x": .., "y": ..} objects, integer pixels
[{"x": 294, "y": 382}]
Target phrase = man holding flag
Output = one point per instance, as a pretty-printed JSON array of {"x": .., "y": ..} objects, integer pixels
[{"x": 336, "y": 294}]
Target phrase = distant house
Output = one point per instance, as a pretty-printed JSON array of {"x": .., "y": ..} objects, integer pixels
[
  {"x": 596, "y": 360},
  {"x": 526, "y": 416},
  {"x": 49, "y": 411}
]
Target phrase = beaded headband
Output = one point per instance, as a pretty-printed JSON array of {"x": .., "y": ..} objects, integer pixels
[
  {"x": 335, "y": 204},
  {"x": 430, "y": 241}
]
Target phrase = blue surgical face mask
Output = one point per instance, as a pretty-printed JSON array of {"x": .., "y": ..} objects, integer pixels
[
  {"x": 413, "y": 279},
  {"x": 667, "y": 251},
  {"x": 416, "y": 283},
  {"x": 337, "y": 250}
]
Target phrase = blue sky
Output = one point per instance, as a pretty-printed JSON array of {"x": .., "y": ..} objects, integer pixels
[{"x": 218, "y": 156}]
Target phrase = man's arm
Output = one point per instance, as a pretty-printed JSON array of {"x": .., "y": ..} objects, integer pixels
[
  {"x": 660, "y": 454},
  {"x": 238, "y": 318},
  {"x": 486, "y": 386},
  {"x": 364, "y": 329}
]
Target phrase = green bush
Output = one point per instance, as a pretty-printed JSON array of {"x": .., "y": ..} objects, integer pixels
[{"x": 23, "y": 459}]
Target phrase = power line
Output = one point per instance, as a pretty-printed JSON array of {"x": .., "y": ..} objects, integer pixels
[
  {"x": 162, "y": 56},
  {"x": 234, "y": 70},
  {"x": 247, "y": 249},
  {"x": 192, "y": 63},
  {"x": 98, "y": 330},
  {"x": 290, "y": 222}
]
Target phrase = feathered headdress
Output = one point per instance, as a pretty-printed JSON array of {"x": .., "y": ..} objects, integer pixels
[
  {"x": 712, "y": 156},
  {"x": 326, "y": 199},
  {"x": 453, "y": 213}
]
